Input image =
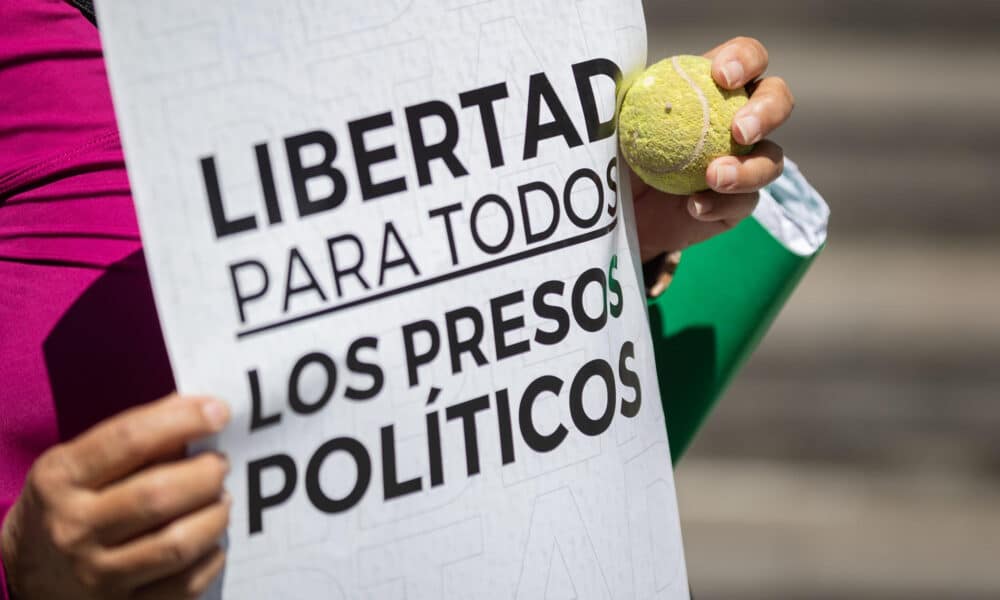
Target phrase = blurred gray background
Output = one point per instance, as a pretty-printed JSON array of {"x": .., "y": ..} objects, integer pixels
[{"x": 858, "y": 454}]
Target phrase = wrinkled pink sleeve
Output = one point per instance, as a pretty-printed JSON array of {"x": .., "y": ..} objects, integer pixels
[{"x": 79, "y": 338}]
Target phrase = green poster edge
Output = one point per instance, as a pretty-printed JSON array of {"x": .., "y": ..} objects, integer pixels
[{"x": 724, "y": 297}]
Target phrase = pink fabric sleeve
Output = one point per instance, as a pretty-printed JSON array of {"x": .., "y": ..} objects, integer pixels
[{"x": 79, "y": 339}]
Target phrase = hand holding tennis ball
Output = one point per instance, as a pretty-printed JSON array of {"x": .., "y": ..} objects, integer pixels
[
  {"x": 690, "y": 182},
  {"x": 675, "y": 121}
]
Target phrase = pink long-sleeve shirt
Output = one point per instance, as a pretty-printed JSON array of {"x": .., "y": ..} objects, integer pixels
[{"x": 79, "y": 339}]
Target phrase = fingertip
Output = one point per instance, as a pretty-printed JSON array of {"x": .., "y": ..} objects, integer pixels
[
  {"x": 728, "y": 71},
  {"x": 221, "y": 461},
  {"x": 700, "y": 208},
  {"x": 747, "y": 129},
  {"x": 773, "y": 153},
  {"x": 738, "y": 62},
  {"x": 215, "y": 458},
  {"x": 723, "y": 174},
  {"x": 216, "y": 413}
]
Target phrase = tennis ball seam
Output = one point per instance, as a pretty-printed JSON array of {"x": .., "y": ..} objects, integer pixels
[
  {"x": 706, "y": 112},
  {"x": 661, "y": 135}
]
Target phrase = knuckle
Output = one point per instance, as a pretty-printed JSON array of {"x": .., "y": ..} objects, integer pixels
[
  {"x": 51, "y": 470},
  {"x": 767, "y": 104},
  {"x": 753, "y": 45},
  {"x": 60, "y": 536},
  {"x": 66, "y": 534},
  {"x": 79, "y": 514},
  {"x": 152, "y": 498},
  {"x": 779, "y": 82},
  {"x": 124, "y": 434},
  {"x": 92, "y": 573},
  {"x": 195, "y": 586},
  {"x": 218, "y": 467},
  {"x": 784, "y": 91},
  {"x": 176, "y": 548}
]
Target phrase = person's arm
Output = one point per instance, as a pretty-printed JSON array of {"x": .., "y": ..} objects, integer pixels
[{"x": 724, "y": 292}]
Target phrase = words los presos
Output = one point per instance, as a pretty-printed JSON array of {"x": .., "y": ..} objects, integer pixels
[
  {"x": 464, "y": 339},
  {"x": 343, "y": 265}
]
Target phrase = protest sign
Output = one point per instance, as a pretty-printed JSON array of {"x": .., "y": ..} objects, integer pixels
[{"x": 393, "y": 237}]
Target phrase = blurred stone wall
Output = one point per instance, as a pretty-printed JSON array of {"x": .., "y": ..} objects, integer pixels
[{"x": 858, "y": 455}]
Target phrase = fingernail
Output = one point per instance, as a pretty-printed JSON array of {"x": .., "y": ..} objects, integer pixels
[
  {"x": 733, "y": 73},
  {"x": 216, "y": 413},
  {"x": 725, "y": 176},
  {"x": 749, "y": 127},
  {"x": 700, "y": 207}
]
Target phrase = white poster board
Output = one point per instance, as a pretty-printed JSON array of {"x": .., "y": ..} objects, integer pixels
[{"x": 391, "y": 235}]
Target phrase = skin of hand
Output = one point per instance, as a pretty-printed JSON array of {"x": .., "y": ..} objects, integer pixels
[
  {"x": 667, "y": 222},
  {"x": 120, "y": 512}
]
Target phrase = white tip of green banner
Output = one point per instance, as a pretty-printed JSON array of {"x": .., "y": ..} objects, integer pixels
[{"x": 793, "y": 212}]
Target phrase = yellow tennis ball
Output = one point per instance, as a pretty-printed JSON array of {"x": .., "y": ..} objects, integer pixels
[{"x": 675, "y": 120}]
